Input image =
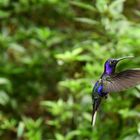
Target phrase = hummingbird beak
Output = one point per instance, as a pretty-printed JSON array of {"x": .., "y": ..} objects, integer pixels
[
  {"x": 96, "y": 103},
  {"x": 127, "y": 57}
]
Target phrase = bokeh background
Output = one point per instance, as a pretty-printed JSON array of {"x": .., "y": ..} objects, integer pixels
[{"x": 51, "y": 54}]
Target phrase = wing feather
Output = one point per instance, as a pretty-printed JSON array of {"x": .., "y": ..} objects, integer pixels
[{"x": 123, "y": 80}]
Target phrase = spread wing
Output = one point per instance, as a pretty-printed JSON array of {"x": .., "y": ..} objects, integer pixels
[{"x": 123, "y": 80}]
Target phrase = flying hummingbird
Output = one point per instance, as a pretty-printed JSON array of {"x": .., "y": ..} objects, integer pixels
[{"x": 110, "y": 81}]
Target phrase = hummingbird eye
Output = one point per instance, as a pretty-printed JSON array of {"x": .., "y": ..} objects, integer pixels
[{"x": 112, "y": 62}]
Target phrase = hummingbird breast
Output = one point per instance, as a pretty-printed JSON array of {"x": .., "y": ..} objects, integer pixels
[{"x": 98, "y": 88}]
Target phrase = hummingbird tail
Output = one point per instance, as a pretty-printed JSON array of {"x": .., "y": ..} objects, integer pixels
[
  {"x": 95, "y": 105},
  {"x": 93, "y": 118}
]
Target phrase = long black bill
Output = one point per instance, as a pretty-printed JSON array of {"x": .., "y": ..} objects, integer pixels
[
  {"x": 126, "y": 57},
  {"x": 96, "y": 103}
]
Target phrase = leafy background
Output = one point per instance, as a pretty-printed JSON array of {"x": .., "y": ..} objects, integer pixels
[{"x": 51, "y": 54}]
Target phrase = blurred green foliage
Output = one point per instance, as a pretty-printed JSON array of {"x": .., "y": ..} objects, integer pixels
[{"x": 51, "y": 54}]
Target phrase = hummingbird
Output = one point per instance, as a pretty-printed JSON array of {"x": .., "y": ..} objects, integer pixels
[{"x": 110, "y": 81}]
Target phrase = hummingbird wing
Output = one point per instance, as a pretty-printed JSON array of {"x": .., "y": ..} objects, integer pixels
[{"x": 121, "y": 81}]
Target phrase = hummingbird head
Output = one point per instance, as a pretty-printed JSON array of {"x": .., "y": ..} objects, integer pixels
[{"x": 110, "y": 64}]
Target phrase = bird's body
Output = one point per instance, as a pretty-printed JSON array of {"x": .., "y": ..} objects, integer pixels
[{"x": 110, "y": 81}]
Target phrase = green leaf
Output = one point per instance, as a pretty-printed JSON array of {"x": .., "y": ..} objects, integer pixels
[
  {"x": 69, "y": 56},
  {"x": 4, "y": 14},
  {"x": 20, "y": 129},
  {"x": 4, "y": 3},
  {"x": 83, "y": 5},
  {"x": 71, "y": 134},
  {"x": 129, "y": 113},
  {"x": 102, "y": 5},
  {"x": 116, "y": 7},
  {"x": 86, "y": 21},
  {"x": 4, "y": 98},
  {"x": 59, "y": 136}
]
